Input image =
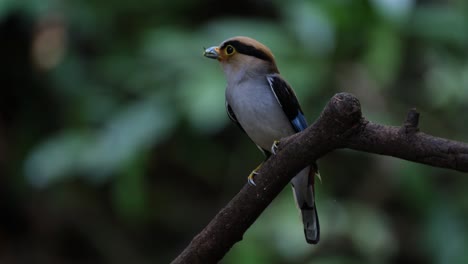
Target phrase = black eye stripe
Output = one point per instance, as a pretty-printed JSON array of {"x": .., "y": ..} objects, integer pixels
[{"x": 247, "y": 50}]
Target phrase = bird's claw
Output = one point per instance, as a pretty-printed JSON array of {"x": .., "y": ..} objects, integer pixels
[
  {"x": 275, "y": 146},
  {"x": 317, "y": 174},
  {"x": 250, "y": 179}
]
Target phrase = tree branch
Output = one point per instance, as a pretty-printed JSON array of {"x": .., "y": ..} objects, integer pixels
[{"x": 340, "y": 125}]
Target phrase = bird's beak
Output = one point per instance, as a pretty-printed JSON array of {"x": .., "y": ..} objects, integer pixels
[{"x": 212, "y": 52}]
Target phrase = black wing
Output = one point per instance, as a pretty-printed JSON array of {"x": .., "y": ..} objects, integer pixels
[
  {"x": 288, "y": 101},
  {"x": 232, "y": 116}
]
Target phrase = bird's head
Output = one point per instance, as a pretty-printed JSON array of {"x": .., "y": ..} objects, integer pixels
[{"x": 241, "y": 56}]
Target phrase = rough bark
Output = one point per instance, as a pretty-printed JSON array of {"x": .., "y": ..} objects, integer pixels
[{"x": 340, "y": 125}]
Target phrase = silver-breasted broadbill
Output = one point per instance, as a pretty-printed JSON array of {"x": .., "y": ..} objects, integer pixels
[{"x": 265, "y": 107}]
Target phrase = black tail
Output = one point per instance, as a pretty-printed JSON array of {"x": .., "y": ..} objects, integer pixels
[
  {"x": 303, "y": 188},
  {"x": 311, "y": 224}
]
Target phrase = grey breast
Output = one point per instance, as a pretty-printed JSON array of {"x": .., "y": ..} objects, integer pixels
[{"x": 258, "y": 111}]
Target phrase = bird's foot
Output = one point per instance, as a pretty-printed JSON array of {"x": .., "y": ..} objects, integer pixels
[
  {"x": 254, "y": 173},
  {"x": 275, "y": 146},
  {"x": 317, "y": 174},
  {"x": 250, "y": 179}
]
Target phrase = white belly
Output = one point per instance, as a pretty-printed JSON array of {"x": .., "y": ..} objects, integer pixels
[{"x": 259, "y": 113}]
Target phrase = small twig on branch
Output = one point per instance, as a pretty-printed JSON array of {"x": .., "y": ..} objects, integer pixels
[
  {"x": 412, "y": 121},
  {"x": 340, "y": 125}
]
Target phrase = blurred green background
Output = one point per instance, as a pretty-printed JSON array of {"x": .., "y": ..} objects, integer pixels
[{"x": 115, "y": 146}]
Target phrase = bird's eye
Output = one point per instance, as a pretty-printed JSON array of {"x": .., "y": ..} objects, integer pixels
[{"x": 229, "y": 50}]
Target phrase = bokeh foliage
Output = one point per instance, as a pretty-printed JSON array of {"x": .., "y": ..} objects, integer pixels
[{"x": 115, "y": 146}]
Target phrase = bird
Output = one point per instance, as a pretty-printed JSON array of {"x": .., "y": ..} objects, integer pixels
[{"x": 265, "y": 107}]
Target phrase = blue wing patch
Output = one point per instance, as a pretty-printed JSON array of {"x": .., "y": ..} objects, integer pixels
[{"x": 299, "y": 122}]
